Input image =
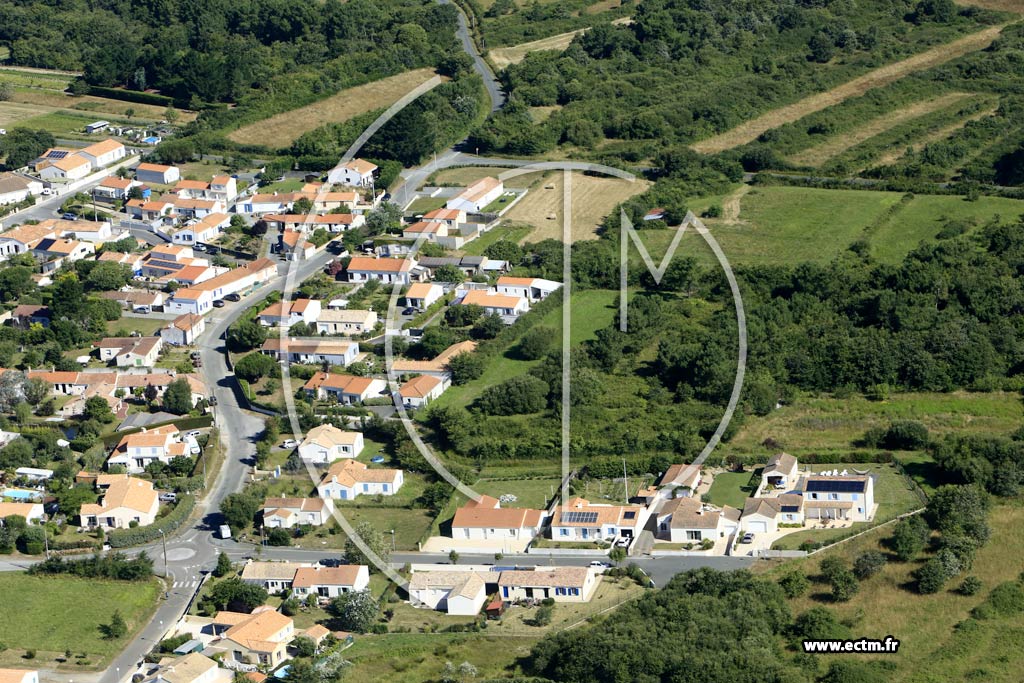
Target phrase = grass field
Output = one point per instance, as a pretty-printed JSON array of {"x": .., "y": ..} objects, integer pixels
[
  {"x": 926, "y": 625},
  {"x": 942, "y": 133},
  {"x": 418, "y": 657},
  {"x": 54, "y": 613},
  {"x": 510, "y": 233},
  {"x": 530, "y": 493},
  {"x": 502, "y": 57},
  {"x": 282, "y": 129},
  {"x": 816, "y": 425},
  {"x": 817, "y": 155},
  {"x": 751, "y": 130},
  {"x": 731, "y": 488},
  {"x": 464, "y": 175},
  {"x": 592, "y": 197}
]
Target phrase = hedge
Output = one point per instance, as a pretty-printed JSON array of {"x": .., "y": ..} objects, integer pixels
[
  {"x": 131, "y": 96},
  {"x": 123, "y": 538},
  {"x": 184, "y": 423}
]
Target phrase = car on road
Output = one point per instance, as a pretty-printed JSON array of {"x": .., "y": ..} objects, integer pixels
[
  {"x": 194, "y": 355},
  {"x": 599, "y": 563},
  {"x": 143, "y": 309},
  {"x": 747, "y": 537},
  {"x": 218, "y": 303},
  {"x": 289, "y": 443},
  {"x": 233, "y": 296},
  {"x": 70, "y": 217},
  {"x": 199, "y": 246}
]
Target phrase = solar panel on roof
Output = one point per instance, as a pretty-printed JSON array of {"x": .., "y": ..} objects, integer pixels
[
  {"x": 57, "y": 154},
  {"x": 629, "y": 514},
  {"x": 835, "y": 486},
  {"x": 576, "y": 517}
]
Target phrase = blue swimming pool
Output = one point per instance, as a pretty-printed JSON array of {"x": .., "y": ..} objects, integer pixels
[{"x": 20, "y": 494}]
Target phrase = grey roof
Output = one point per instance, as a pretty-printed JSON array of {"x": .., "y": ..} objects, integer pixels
[
  {"x": 783, "y": 462},
  {"x": 438, "y": 261},
  {"x": 145, "y": 419}
]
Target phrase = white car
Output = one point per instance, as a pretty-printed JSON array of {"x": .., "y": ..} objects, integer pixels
[
  {"x": 193, "y": 433},
  {"x": 289, "y": 443}
]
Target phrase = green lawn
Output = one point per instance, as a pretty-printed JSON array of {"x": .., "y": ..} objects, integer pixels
[
  {"x": 60, "y": 122},
  {"x": 498, "y": 204},
  {"x": 731, "y": 488},
  {"x": 146, "y": 326},
  {"x": 53, "y": 613},
  {"x": 892, "y": 494},
  {"x": 418, "y": 657},
  {"x": 426, "y": 204},
  {"x": 410, "y": 527},
  {"x": 286, "y": 185},
  {"x": 530, "y": 493},
  {"x": 512, "y": 233}
]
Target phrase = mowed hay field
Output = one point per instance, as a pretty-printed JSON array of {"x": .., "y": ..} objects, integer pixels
[
  {"x": 751, "y": 130},
  {"x": 503, "y": 56},
  {"x": 592, "y": 197},
  {"x": 282, "y": 129}
]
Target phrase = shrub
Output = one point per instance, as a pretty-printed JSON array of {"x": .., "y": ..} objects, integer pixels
[
  {"x": 971, "y": 585},
  {"x": 868, "y": 564},
  {"x": 794, "y": 584}
]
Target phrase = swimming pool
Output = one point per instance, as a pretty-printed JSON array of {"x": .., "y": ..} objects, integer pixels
[{"x": 21, "y": 494}]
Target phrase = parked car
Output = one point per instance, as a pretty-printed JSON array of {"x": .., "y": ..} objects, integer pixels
[
  {"x": 225, "y": 531},
  {"x": 199, "y": 246},
  {"x": 747, "y": 537},
  {"x": 233, "y": 297},
  {"x": 168, "y": 497},
  {"x": 599, "y": 563},
  {"x": 70, "y": 217},
  {"x": 289, "y": 443},
  {"x": 195, "y": 355},
  {"x": 410, "y": 311},
  {"x": 193, "y": 433},
  {"x": 144, "y": 309},
  {"x": 218, "y": 303},
  {"x": 622, "y": 542}
]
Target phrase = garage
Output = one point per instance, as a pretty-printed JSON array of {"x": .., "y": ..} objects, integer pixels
[{"x": 756, "y": 526}]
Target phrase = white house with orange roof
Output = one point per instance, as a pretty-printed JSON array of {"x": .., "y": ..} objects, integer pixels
[
  {"x": 421, "y": 390},
  {"x": 429, "y": 230},
  {"x": 104, "y": 153},
  {"x": 285, "y": 513},
  {"x": 312, "y": 351},
  {"x": 356, "y": 173},
  {"x": 387, "y": 270},
  {"x": 450, "y": 217},
  {"x": 22, "y": 239},
  {"x": 486, "y": 520},
  {"x": 206, "y": 229},
  {"x": 19, "y": 676},
  {"x": 69, "y": 167},
  {"x": 153, "y": 211},
  {"x": 347, "y": 479},
  {"x": 581, "y": 520},
  {"x": 345, "y": 389},
  {"x": 190, "y": 300},
  {"x": 135, "y": 451},
  {"x": 438, "y": 367},
  {"x": 183, "y": 330},
  {"x": 330, "y": 582},
  {"x": 326, "y": 443},
  {"x": 561, "y": 584},
  {"x": 295, "y": 245},
  {"x": 332, "y": 222},
  {"x": 260, "y": 638},
  {"x": 422, "y": 294},
  {"x": 508, "y": 306},
  {"x": 54, "y": 253},
  {"x": 346, "y": 321},
  {"x": 476, "y": 196},
  {"x": 531, "y": 288},
  {"x": 126, "y": 500},
  {"x": 157, "y": 174},
  {"x": 134, "y": 352},
  {"x": 288, "y": 313},
  {"x": 113, "y": 188},
  {"x": 31, "y": 512}
]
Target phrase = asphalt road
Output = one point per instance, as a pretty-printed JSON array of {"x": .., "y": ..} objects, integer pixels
[{"x": 494, "y": 91}]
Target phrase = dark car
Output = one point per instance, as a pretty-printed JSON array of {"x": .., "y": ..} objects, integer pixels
[
  {"x": 218, "y": 303},
  {"x": 233, "y": 297},
  {"x": 410, "y": 311}
]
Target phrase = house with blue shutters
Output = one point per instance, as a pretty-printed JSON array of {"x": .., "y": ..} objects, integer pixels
[{"x": 835, "y": 495}]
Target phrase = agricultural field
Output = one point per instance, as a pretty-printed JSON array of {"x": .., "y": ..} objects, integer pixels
[
  {"x": 460, "y": 176},
  {"x": 752, "y": 129},
  {"x": 593, "y": 198},
  {"x": 503, "y": 56},
  {"x": 38, "y": 605},
  {"x": 499, "y": 233},
  {"x": 282, "y": 129}
]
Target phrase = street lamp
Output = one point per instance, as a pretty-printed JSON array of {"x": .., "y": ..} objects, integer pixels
[
  {"x": 163, "y": 541},
  {"x": 393, "y": 548}
]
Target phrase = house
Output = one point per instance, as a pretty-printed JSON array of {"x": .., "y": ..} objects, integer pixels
[
  {"x": 104, "y": 153},
  {"x": 134, "y": 352},
  {"x": 476, "y": 196},
  {"x": 183, "y": 330},
  {"x": 326, "y": 443},
  {"x": 763, "y": 515},
  {"x": 22, "y": 239},
  {"x": 429, "y": 230},
  {"x": 125, "y": 501},
  {"x": 287, "y": 313},
  {"x": 450, "y": 217},
  {"x": 14, "y": 188},
  {"x": 261, "y": 204},
  {"x": 438, "y": 367},
  {"x": 272, "y": 576},
  {"x": 346, "y": 321},
  {"x": 344, "y": 389},
  {"x": 509, "y": 307},
  {"x": 485, "y": 519},
  {"x": 31, "y": 512},
  {"x": 69, "y": 167},
  {"x": 151, "y": 211},
  {"x": 389, "y": 270},
  {"x": 838, "y": 496},
  {"x": 356, "y": 173},
  {"x": 190, "y": 300},
  {"x": 780, "y": 472},
  {"x": 314, "y": 351},
  {"x": 134, "y": 262},
  {"x": 86, "y": 231},
  {"x": 350, "y": 478},
  {"x": 688, "y": 520},
  {"x": 260, "y": 638},
  {"x": 251, "y": 276},
  {"x": 136, "y": 451},
  {"x": 19, "y": 676},
  {"x": 470, "y": 265},
  {"x": 26, "y": 315},
  {"x": 294, "y": 244},
  {"x": 332, "y": 222},
  {"x": 680, "y": 480},
  {"x": 157, "y": 174},
  {"x": 192, "y": 668},
  {"x": 561, "y": 584},
  {"x": 531, "y": 288},
  {"x": 33, "y": 474},
  {"x": 285, "y": 513},
  {"x": 421, "y": 390},
  {"x": 206, "y": 229},
  {"x": 581, "y": 520},
  {"x": 54, "y": 253},
  {"x": 330, "y": 582},
  {"x": 113, "y": 188},
  {"x": 455, "y": 592},
  {"x": 422, "y": 294},
  {"x": 188, "y": 208}
]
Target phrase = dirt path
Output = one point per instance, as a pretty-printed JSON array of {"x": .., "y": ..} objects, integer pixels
[
  {"x": 749, "y": 131},
  {"x": 819, "y": 154},
  {"x": 731, "y": 205},
  {"x": 1015, "y": 6},
  {"x": 503, "y": 56},
  {"x": 941, "y": 134}
]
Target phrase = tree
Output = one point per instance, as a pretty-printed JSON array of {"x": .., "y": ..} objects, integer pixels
[
  {"x": 279, "y": 537},
  {"x": 435, "y": 495},
  {"x": 246, "y": 335},
  {"x": 150, "y": 393},
  {"x": 465, "y": 367},
  {"x": 68, "y": 298},
  {"x": 844, "y": 585},
  {"x": 515, "y": 396},
  {"x": 909, "y": 537},
  {"x": 488, "y": 327},
  {"x": 97, "y": 408},
  {"x": 960, "y": 511},
  {"x": 536, "y": 342},
  {"x": 107, "y": 276},
  {"x": 178, "y": 397},
  {"x": 6, "y": 91},
  {"x": 449, "y": 273},
  {"x": 239, "y": 509},
  {"x": 819, "y": 623},
  {"x": 356, "y": 611},
  {"x": 259, "y": 228},
  {"x": 617, "y": 555},
  {"x": 12, "y": 390},
  {"x": 36, "y": 390},
  {"x": 302, "y": 206},
  {"x": 304, "y": 647},
  {"x": 794, "y": 584},
  {"x": 453, "y": 556},
  {"x": 373, "y": 539},
  {"x": 931, "y": 576},
  {"x": 117, "y": 628},
  {"x": 223, "y": 567},
  {"x": 236, "y": 595},
  {"x": 255, "y": 366},
  {"x": 386, "y": 217},
  {"x": 868, "y": 564}
]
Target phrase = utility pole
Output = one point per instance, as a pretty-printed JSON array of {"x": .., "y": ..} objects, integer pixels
[
  {"x": 625, "y": 481},
  {"x": 163, "y": 541}
]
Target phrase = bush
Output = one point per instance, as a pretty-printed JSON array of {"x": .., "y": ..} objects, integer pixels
[
  {"x": 868, "y": 564},
  {"x": 794, "y": 584},
  {"x": 971, "y": 585},
  {"x": 122, "y": 538},
  {"x": 844, "y": 585}
]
